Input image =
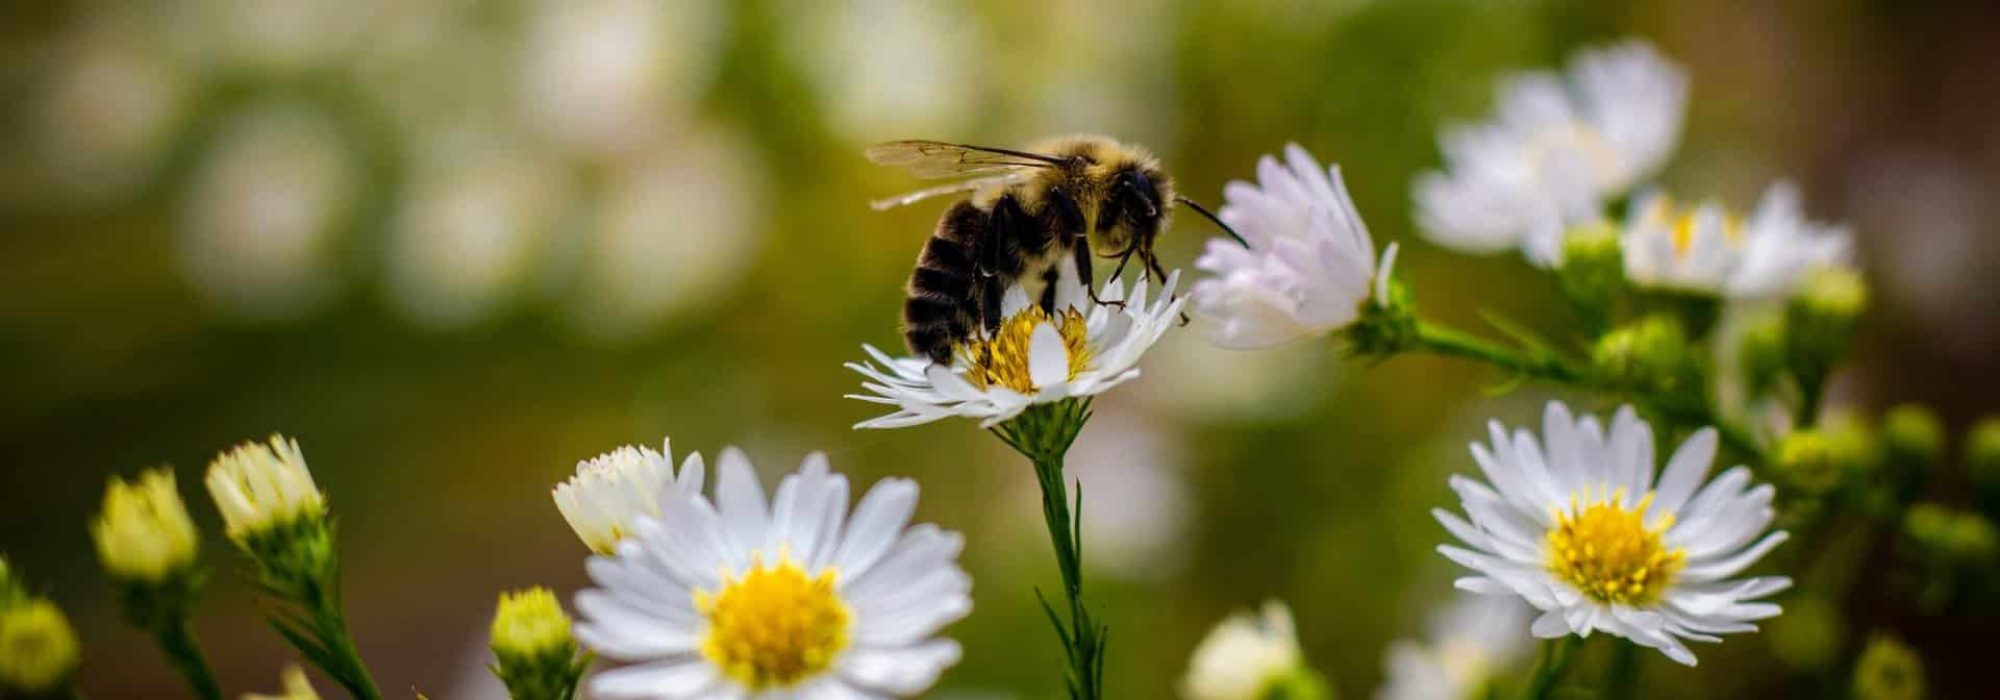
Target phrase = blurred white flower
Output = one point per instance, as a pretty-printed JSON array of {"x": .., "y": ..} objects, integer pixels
[
  {"x": 1214, "y": 384},
  {"x": 740, "y": 596},
  {"x": 1472, "y": 641},
  {"x": 602, "y": 76},
  {"x": 1034, "y": 358},
  {"x": 474, "y": 220},
  {"x": 1584, "y": 532},
  {"x": 611, "y": 491},
  {"x": 1556, "y": 149},
  {"x": 274, "y": 35},
  {"x": 1245, "y": 656},
  {"x": 889, "y": 67},
  {"x": 106, "y": 114},
  {"x": 1308, "y": 268},
  {"x": 675, "y": 228},
  {"x": 260, "y": 216},
  {"x": 1707, "y": 249}
]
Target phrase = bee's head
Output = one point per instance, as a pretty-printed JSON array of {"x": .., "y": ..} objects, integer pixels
[{"x": 1136, "y": 206}]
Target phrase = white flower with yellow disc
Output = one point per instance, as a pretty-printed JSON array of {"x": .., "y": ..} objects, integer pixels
[
  {"x": 1708, "y": 249},
  {"x": 791, "y": 597},
  {"x": 1037, "y": 357},
  {"x": 1583, "y": 531}
]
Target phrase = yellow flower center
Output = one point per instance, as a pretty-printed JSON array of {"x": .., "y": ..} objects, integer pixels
[
  {"x": 774, "y": 626},
  {"x": 1002, "y": 359},
  {"x": 1684, "y": 224},
  {"x": 1607, "y": 551}
]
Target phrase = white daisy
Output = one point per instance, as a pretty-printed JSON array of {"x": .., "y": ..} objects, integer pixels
[
  {"x": 1707, "y": 249},
  {"x": 1082, "y": 350},
  {"x": 1306, "y": 264},
  {"x": 1245, "y": 656},
  {"x": 1584, "y": 532},
  {"x": 1472, "y": 641},
  {"x": 790, "y": 598},
  {"x": 1556, "y": 149},
  {"x": 613, "y": 489}
]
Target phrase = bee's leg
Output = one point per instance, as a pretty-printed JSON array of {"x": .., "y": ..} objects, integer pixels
[
  {"x": 1049, "y": 280},
  {"x": 1085, "y": 275},
  {"x": 1115, "y": 272}
]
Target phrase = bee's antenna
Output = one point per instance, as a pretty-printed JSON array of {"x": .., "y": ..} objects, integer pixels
[{"x": 1212, "y": 217}]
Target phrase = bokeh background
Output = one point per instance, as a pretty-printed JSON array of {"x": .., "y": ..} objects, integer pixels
[{"x": 455, "y": 247}]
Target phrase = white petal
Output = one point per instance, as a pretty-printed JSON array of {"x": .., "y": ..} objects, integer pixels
[
  {"x": 880, "y": 518},
  {"x": 901, "y": 671},
  {"x": 659, "y": 679},
  {"x": 1048, "y": 359}
]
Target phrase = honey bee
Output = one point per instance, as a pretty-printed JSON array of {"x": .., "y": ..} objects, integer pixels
[{"x": 1074, "y": 197}]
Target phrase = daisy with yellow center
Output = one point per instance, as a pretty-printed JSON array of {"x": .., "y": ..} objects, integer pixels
[
  {"x": 1577, "y": 525},
  {"x": 1037, "y": 356},
  {"x": 1709, "y": 249},
  {"x": 793, "y": 596}
]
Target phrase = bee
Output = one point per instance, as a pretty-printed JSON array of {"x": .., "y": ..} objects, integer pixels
[{"x": 1072, "y": 198}]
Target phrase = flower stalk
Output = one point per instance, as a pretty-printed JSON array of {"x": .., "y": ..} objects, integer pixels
[
  {"x": 1043, "y": 434},
  {"x": 1549, "y": 669}
]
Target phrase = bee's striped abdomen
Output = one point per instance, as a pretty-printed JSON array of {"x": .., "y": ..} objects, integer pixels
[{"x": 941, "y": 308}]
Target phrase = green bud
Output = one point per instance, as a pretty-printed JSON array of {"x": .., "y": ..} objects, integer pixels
[
  {"x": 1982, "y": 454},
  {"x": 1949, "y": 536},
  {"x": 535, "y": 656},
  {"x": 12, "y": 592},
  {"x": 1805, "y": 461},
  {"x": 1851, "y": 443},
  {"x": 1819, "y": 323},
  {"x": 1761, "y": 350},
  {"x": 38, "y": 649},
  {"x": 1888, "y": 670},
  {"x": 1593, "y": 268},
  {"x": 1648, "y": 354},
  {"x": 1912, "y": 438}
]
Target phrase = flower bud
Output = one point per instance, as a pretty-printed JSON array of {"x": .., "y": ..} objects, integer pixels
[
  {"x": 1888, "y": 670},
  {"x": 38, "y": 649},
  {"x": 1805, "y": 461},
  {"x": 1819, "y": 323},
  {"x": 1982, "y": 459},
  {"x": 535, "y": 654},
  {"x": 143, "y": 534},
  {"x": 262, "y": 487},
  {"x": 1593, "y": 267},
  {"x": 1951, "y": 537},
  {"x": 1761, "y": 353},
  {"x": 1912, "y": 439},
  {"x": 1250, "y": 657},
  {"x": 1851, "y": 443},
  {"x": 1648, "y": 354}
]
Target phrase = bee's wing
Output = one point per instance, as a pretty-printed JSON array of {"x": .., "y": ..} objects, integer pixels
[
  {"x": 939, "y": 159},
  {"x": 929, "y": 192}
]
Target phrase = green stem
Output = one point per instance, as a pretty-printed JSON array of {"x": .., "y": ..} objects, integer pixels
[
  {"x": 343, "y": 659},
  {"x": 1044, "y": 435},
  {"x": 1623, "y": 678},
  {"x": 1451, "y": 343},
  {"x": 1549, "y": 670},
  {"x": 176, "y": 638}
]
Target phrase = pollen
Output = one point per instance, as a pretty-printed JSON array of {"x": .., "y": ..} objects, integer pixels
[
  {"x": 774, "y": 626},
  {"x": 1608, "y": 553},
  {"x": 1002, "y": 358}
]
